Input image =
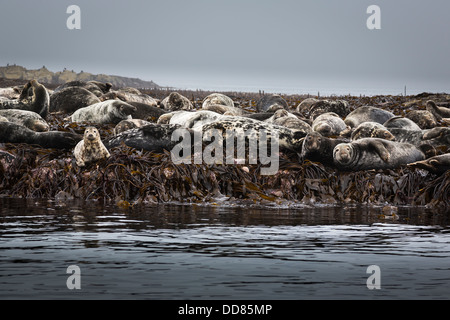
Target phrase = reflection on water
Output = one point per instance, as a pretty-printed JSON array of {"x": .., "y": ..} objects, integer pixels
[{"x": 194, "y": 252}]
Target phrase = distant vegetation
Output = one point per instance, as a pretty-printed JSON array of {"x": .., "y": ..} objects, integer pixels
[{"x": 43, "y": 75}]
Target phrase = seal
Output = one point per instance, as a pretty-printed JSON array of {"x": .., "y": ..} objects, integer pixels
[
  {"x": 3, "y": 119},
  {"x": 282, "y": 117},
  {"x": 401, "y": 122},
  {"x": 15, "y": 133},
  {"x": 437, "y": 164},
  {"x": 222, "y": 109},
  {"x": 217, "y": 99},
  {"x": 318, "y": 148},
  {"x": 329, "y": 124},
  {"x": 423, "y": 118},
  {"x": 146, "y": 112},
  {"x": 436, "y": 137},
  {"x": 287, "y": 138},
  {"x": 304, "y": 106},
  {"x": 371, "y": 129},
  {"x": 125, "y": 125},
  {"x": 70, "y": 99},
  {"x": 34, "y": 97},
  {"x": 106, "y": 112},
  {"x": 189, "y": 119},
  {"x": 129, "y": 95},
  {"x": 367, "y": 114},
  {"x": 175, "y": 101},
  {"x": 10, "y": 93},
  {"x": 29, "y": 119},
  {"x": 340, "y": 107},
  {"x": 438, "y": 112},
  {"x": 271, "y": 103},
  {"x": 152, "y": 137},
  {"x": 91, "y": 148},
  {"x": 96, "y": 87},
  {"x": 374, "y": 153}
]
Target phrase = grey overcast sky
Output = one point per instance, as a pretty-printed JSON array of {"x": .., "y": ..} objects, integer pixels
[{"x": 310, "y": 44}]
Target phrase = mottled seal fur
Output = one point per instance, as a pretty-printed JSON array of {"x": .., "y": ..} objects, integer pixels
[
  {"x": 222, "y": 109},
  {"x": 96, "y": 87},
  {"x": 271, "y": 103},
  {"x": 318, "y": 148},
  {"x": 217, "y": 99},
  {"x": 15, "y": 133},
  {"x": 125, "y": 125},
  {"x": 371, "y": 129},
  {"x": 34, "y": 97},
  {"x": 91, "y": 148},
  {"x": 437, "y": 164},
  {"x": 329, "y": 124},
  {"x": 152, "y": 137},
  {"x": 401, "y": 122},
  {"x": 367, "y": 114},
  {"x": 436, "y": 137},
  {"x": 287, "y": 138},
  {"x": 130, "y": 95},
  {"x": 106, "y": 112},
  {"x": 175, "y": 101},
  {"x": 304, "y": 106},
  {"x": 146, "y": 112},
  {"x": 340, "y": 107},
  {"x": 423, "y": 118},
  {"x": 188, "y": 119},
  {"x": 438, "y": 112},
  {"x": 10, "y": 93},
  {"x": 374, "y": 153},
  {"x": 282, "y": 117},
  {"x": 29, "y": 119},
  {"x": 70, "y": 99}
]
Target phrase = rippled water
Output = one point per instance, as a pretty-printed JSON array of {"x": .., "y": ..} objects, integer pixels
[{"x": 193, "y": 252}]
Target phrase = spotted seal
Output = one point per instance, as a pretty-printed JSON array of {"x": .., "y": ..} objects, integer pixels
[
  {"x": 152, "y": 137},
  {"x": 70, "y": 99},
  {"x": 16, "y": 133},
  {"x": 374, "y": 153},
  {"x": 282, "y": 117},
  {"x": 371, "y": 129},
  {"x": 287, "y": 138},
  {"x": 329, "y": 124},
  {"x": 437, "y": 164},
  {"x": 34, "y": 97},
  {"x": 438, "y": 112},
  {"x": 91, "y": 148},
  {"x": 125, "y": 125},
  {"x": 29, "y": 119},
  {"x": 175, "y": 101},
  {"x": 318, "y": 148},
  {"x": 423, "y": 118},
  {"x": 367, "y": 114},
  {"x": 401, "y": 122},
  {"x": 271, "y": 103},
  {"x": 106, "y": 112}
]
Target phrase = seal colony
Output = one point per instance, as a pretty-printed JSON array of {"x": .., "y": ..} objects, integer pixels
[{"x": 363, "y": 150}]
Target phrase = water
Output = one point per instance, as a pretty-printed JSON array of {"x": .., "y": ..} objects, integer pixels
[{"x": 194, "y": 252}]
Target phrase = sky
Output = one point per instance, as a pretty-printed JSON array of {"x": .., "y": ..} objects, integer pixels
[{"x": 285, "y": 45}]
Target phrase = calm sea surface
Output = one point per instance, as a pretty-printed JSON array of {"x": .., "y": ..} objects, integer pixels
[{"x": 212, "y": 252}]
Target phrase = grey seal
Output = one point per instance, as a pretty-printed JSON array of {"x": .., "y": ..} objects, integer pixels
[
  {"x": 401, "y": 122},
  {"x": 329, "y": 124},
  {"x": 90, "y": 148},
  {"x": 271, "y": 103},
  {"x": 340, "y": 107},
  {"x": 371, "y": 129},
  {"x": 175, "y": 101},
  {"x": 106, "y": 112},
  {"x": 437, "y": 164},
  {"x": 189, "y": 119},
  {"x": 125, "y": 125},
  {"x": 438, "y": 112},
  {"x": 282, "y": 117},
  {"x": 217, "y": 99},
  {"x": 29, "y": 119},
  {"x": 367, "y": 114},
  {"x": 70, "y": 99},
  {"x": 423, "y": 118},
  {"x": 375, "y": 153},
  {"x": 318, "y": 148}
]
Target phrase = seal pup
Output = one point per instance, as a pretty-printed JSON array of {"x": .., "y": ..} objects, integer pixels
[
  {"x": 152, "y": 137},
  {"x": 367, "y": 114},
  {"x": 34, "y": 97},
  {"x": 217, "y": 99},
  {"x": 70, "y": 99},
  {"x": 29, "y": 119},
  {"x": 91, "y": 148},
  {"x": 125, "y": 125},
  {"x": 106, "y": 112},
  {"x": 15, "y": 133},
  {"x": 318, "y": 148},
  {"x": 371, "y": 129},
  {"x": 437, "y": 164},
  {"x": 271, "y": 103},
  {"x": 401, "y": 122},
  {"x": 423, "y": 118},
  {"x": 175, "y": 101},
  {"x": 329, "y": 124},
  {"x": 438, "y": 112},
  {"x": 374, "y": 153},
  {"x": 282, "y": 117}
]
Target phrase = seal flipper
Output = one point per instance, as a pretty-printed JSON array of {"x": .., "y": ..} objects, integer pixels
[{"x": 379, "y": 148}]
